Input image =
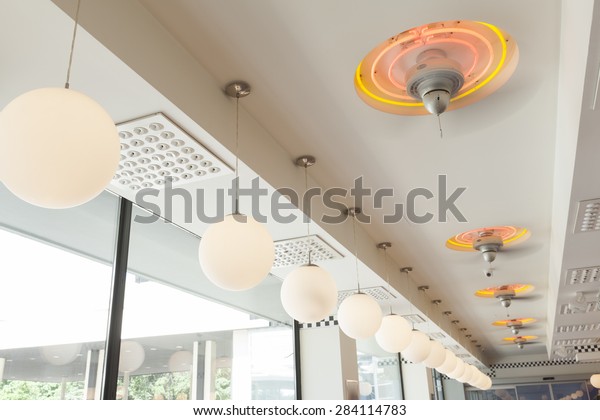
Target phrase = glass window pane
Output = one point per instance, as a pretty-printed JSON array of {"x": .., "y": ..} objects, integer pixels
[
  {"x": 378, "y": 372},
  {"x": 198, "y": 341},
  {"x": 534, "y": 392},
  {"x": 570, "y": 391},
  {"x": 55, "y": 277}
]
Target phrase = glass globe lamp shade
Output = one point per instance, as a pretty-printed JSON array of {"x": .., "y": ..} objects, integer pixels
[
  {"x": 131, "y": 357},
  {"x": 365, "y": 388},
  {"x": 309, "y": 294},
  {"x": 359, "y": 316},
  {"x": 475, "y": 377},
  {"x": 237, "y": 253},
  {"x": 436, "y": 357},
  {"x": 181, "y": 361},
  {"x": 418, "y": 349},
  {"x": 449, "y": 363},
  {"x": 467, "y": 374},
  {"x": 480, "y": 381},
  {"x": 60, "y": 148},
  {"x": 61, "y": 354},
  {"x": 595, "y": 380},
  {"x": 487, "y": 384},
  {"x": 394, "y": 334},
  {"x": 458, "y": 370}
]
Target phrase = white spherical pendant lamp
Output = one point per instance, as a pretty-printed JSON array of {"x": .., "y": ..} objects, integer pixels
[
  {"x": 365, "y": 388},
  {"x": 418, "y": 349},
  {"x": 487, "y": 384},
  {"x": 449, "y": 363},
  {"x": 480, "y": 381},
  {"x": 394, "y": 334},
  {"x": 467, "y": 374},
  {"x": 181, "y": 361},
  {"x": 60, "y": 148},
  {"x": 309, "y": 294},
  {"x": 436, "y": 357},
  {"x": 359, "y": 316},
  {"x": 475, "y": 377},
  {"x": 237, "y": 253},
  {"x": 595, "y": 380},
  {"x": 458, "y": 370},
  {"x": 61, "y": 354},
  {"x": 131, "y": 357}
]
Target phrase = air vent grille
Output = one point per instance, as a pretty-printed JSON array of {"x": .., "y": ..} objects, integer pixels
[
  {"x": 437, "y": 336},
  {"x": 378, "y": 293},
  {"x": 414, "y": 318},
  {"x": 154, "y": 148},
  {"x": 578, "y": 328},
  {"x": 588, "y": 216},
  {"x": 589, "y": 307},
  {"x": 575, "y": 342},
  {"x": 586, "y": 275},
  {"x": 294, "y": 252}
]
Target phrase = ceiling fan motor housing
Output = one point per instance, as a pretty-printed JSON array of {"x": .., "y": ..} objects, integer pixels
[
  {"x": 488, "y": 245},
  {"x": 435, "y": 79}
]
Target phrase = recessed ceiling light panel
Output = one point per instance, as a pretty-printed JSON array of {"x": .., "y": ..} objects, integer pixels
[{"x": 463, "y": 61}]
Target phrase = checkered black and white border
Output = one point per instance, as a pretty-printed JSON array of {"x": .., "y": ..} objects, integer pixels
[
  {"x": 540, "y": 363},
  {"x": 587, "y": 349},
  {"x": 329, "y": 322}
]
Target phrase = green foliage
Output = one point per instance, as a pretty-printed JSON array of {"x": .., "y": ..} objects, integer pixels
[
  {"x": 28, "y": 390},
  {"x": 223, "y": 384}
]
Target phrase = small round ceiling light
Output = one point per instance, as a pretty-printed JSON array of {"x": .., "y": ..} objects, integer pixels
[
  {"x": 437, "y": 66},
  {"x": 488, "y": 240}
]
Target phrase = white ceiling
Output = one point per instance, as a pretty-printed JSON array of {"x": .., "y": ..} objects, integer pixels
[{"x": 300, "y": 57}]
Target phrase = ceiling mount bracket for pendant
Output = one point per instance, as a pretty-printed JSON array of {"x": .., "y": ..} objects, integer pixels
[
  {"x": 306, "y": 161},
  {"x": 384, "y": 245},
  {"x": 238, "y": 89}
]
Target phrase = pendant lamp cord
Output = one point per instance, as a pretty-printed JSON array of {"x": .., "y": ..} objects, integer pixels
[
  {"x": 72, "y": 45},
  {"x": 412, "y": 309},
  {"x": 355, "y": 251},
  {"x": 387, "y": 275},
  {"x": 236, "y": 208},
  {"x": 307, "y": 218}
]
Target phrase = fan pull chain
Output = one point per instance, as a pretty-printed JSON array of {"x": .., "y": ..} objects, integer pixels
[{"x": 440, "y": 126}]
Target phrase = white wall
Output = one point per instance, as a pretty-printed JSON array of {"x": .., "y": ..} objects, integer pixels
[{"x": 416, "y": 380}]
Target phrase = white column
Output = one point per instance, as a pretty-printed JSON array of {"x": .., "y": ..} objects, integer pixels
[
  {"x": 90, "y": 383},
  {"x": 63, "y": 388},
  {"x": 241, "y": 373},
  {"x": 2, "y": 363},
  {"x": 417, "y": 381},
  {"x": 210, "y": 369},
  {"x": 125, "y": 386},
  {"x": 99, "y": 375},
  {"x": 328, "y": 362},
  {"x": 197, "y": 389}
]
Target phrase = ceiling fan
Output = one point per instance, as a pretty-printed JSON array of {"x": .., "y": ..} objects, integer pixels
[
  {"x": 515, "y": 325},
  {"x": 488, "y": 241},
  {"x": 521, "y": 340},
  {"x": 506, "y": 293}
]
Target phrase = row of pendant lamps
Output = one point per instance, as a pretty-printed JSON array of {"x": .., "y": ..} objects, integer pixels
[{"x": 71, "y": 140}]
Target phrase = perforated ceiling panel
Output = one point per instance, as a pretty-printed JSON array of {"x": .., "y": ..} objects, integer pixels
[{"x": 154, "y": 150}]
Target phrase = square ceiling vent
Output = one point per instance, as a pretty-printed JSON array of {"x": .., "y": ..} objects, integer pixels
[
  {"x": 294, "y": 252},
  {"x": 154, "y": 149},
  {"x": 378, "y": 293},
  {"x": 586, "y": 275},
  {"x": 588, "y": 216}
]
